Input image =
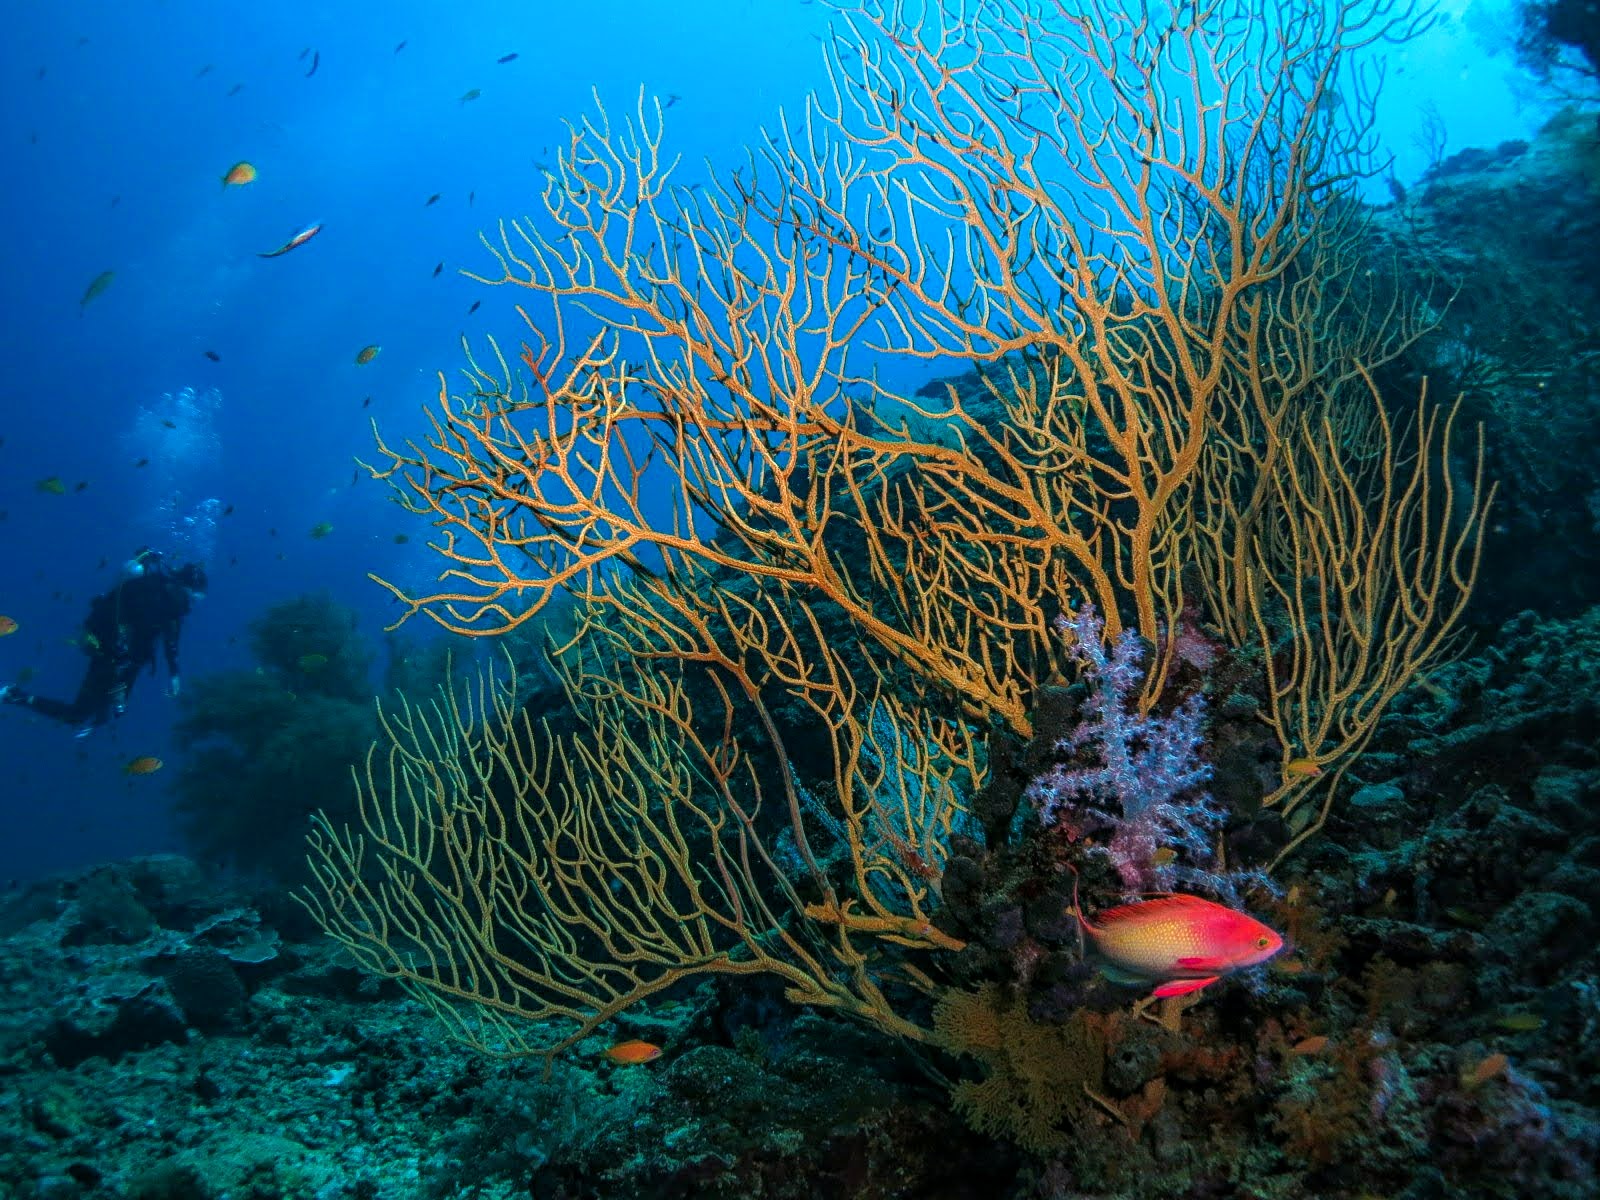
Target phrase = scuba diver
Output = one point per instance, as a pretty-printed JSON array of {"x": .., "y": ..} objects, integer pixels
[{"x": 120, "y": 635}]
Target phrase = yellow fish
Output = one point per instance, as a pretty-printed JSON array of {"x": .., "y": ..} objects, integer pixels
[
  {"x": 321, "y": 529},
  {"x": 8, "y": 625},
  {"x": 313, "y": 662},
  {"x": 366, "y": 354},
  {"x": 1302, "y": 768},
  {"x": 238, "y": 174},
  {"x": 1522, "y": 1022},
  {"x": 147, "y": 764},
  {"x": 51, "y": 487}
]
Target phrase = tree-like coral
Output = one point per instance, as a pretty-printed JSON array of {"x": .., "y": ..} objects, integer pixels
[
  {"x": 1171, "y": 317},
  {"x": 1136, "y": 226},
  {"x": 528, "y": 885}
]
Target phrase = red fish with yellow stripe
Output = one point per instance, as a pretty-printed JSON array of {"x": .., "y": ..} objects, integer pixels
[{"x": 1179, "y": 943}]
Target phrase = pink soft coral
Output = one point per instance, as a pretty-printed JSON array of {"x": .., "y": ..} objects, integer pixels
[{"x": 1140, "y": 777}]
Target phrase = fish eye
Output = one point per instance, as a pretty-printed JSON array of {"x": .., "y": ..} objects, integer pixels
[{"x": 1263, "y": 942}]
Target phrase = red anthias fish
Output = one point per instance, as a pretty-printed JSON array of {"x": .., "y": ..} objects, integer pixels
[
  {"x": 1180, "y": 943},
  {"x": 632, "y": 1052}
]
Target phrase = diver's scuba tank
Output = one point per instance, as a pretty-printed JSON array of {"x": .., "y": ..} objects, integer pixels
[{"x": 144, "y": 562}]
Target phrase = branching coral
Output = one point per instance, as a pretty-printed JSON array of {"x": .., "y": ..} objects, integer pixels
[{"x": 1132, "y": 225}]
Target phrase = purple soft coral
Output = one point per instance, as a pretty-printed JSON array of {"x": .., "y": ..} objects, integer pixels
[{"x": 1146, "y": 788}]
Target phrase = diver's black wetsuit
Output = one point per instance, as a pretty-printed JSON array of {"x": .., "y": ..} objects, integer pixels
[{"x": 120, "y": 635}]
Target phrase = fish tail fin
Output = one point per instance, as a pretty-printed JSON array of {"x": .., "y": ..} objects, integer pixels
[
  {"x": 1182, "y": 987},
  {"x": 1077, "y": 914}
]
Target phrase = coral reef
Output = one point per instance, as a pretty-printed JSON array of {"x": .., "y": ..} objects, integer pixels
[
  {"x": 263, "y": 749},
  {"x": 1520, "y": 341},
  {"x": 1037, "y": 1076},
  {"x": 1433, "y": 1032},
  {"x": 1433, "y": 1029},
  {"x": 278, "y": 1071}
]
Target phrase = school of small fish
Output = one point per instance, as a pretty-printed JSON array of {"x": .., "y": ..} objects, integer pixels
[{"x": 242, "y": 174}]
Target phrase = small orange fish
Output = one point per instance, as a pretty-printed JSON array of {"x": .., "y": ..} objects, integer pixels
[
  {"x": 147, "y": 764},
  {"x": 1302, "y": 768},
  {"x": 1310, "y": 1045},
  {"x": 299, "y": 239},
  {"x": 238, "y": 174},
  {"x": 1180, "y": 943},
  {"x": 8, "y": 625},
  {"x": 366, "y": 354},
  {"x": 1480, "y": 1074},
  {"x": 633, "y": 1051}
]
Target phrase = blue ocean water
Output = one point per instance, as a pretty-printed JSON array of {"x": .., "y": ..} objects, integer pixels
[{"x": 119, "y": 122}]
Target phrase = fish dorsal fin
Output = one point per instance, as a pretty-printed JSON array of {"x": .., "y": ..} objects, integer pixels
[{"x": 1151, "y": 910}]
